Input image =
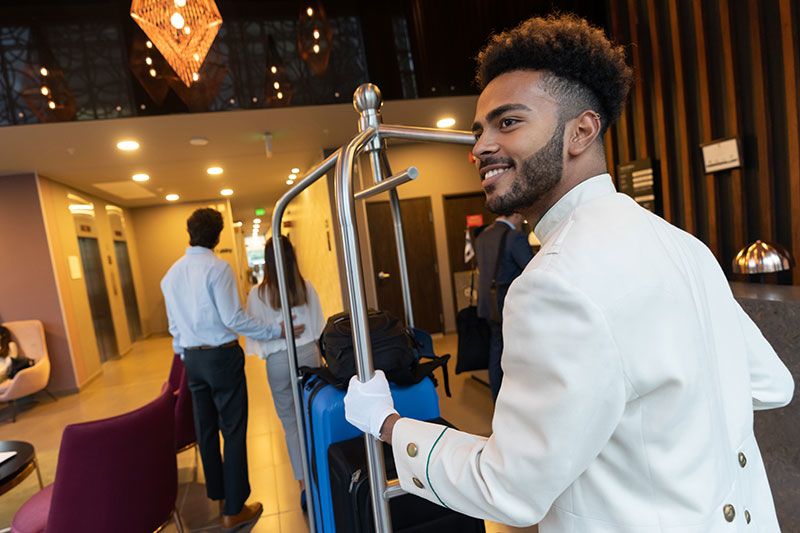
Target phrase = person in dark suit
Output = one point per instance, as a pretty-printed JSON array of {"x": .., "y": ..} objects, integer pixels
[{"x": 513, "y": 258}]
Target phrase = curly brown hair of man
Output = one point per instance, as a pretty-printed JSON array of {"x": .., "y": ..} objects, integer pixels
[{"x": 585, "y": 70}]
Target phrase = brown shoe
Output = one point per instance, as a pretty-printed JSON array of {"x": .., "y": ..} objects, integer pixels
[{"x": 243, "y": 521}]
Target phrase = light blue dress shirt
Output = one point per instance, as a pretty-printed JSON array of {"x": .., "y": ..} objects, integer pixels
[{"x": 203, "y": 306}]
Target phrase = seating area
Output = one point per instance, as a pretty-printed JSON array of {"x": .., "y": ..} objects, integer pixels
[{"x": 30, "y": 339}]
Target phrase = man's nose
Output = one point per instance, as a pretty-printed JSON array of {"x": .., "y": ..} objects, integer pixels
[{"x": 485, "y": 145}]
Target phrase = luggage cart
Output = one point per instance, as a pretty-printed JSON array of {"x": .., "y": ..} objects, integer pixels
[{"x": 371, "y": 139}]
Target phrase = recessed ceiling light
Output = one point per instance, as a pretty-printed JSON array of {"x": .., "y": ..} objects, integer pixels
[
  {"x": 292, "y": 176},
  {"x": 295, "y": 170},
  {"x": 238, "y": 224},
  {"x": 289, "y": 182},
  {"x": 214, "y": 171},
  {"x": 141, "y": 177},
  {"x": 128, "y": 145},
  {"x": 447, "y": 122},
  {"x": 256, "y": 221},
  {"x": 172, "y": 197},
  {"x": 198, "y": 141},
  {"x": 226, "y": 192}
]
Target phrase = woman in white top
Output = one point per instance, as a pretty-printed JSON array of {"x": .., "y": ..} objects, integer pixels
[{"x": 264, "y": 303}]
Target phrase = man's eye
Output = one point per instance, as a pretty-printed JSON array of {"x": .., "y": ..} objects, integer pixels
[
  {"x": 507, "y": 122},
  {"x": 477, "y": 135}
]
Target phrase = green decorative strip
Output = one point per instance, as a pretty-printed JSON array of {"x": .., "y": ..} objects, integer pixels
[{"x": 428, "y": 463}]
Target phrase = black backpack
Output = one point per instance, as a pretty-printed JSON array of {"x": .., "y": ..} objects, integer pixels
[{"x": 394, "y": 350}]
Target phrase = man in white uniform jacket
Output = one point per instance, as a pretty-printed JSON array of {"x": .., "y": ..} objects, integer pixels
[{"x": 631, "y": 373}]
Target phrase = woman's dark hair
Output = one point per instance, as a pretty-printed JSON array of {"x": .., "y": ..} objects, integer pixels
[
  {"x": 5, "y": 339},
  {"x": 295, "y": 283},
  {"x": 585, "y": 70},
  {"x": 204, "y": 227}
]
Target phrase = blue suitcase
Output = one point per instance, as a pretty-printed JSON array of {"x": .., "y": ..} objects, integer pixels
[{"x": 323, "y": 408}]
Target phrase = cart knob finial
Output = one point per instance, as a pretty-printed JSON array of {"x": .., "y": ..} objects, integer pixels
[{"x": 367, "y": 97}]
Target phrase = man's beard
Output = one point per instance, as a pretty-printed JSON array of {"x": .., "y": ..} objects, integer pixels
[{"x": 537, "y": 176}]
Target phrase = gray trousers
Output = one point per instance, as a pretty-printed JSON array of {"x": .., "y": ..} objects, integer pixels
[{"x": 280, "y": 383}]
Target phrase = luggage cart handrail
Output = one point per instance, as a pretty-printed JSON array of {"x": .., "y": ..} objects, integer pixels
[
  {"x": 291, "y": 347},
  {"x": 380, "y": 490}
]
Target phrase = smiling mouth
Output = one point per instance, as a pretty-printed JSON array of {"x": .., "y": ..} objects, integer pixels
[{"x": 495, "y": 172}]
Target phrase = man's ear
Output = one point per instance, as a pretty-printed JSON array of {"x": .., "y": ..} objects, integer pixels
[{"x": 583, "y": 131}]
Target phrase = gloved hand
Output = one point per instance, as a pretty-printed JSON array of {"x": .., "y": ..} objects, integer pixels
[{"x": 367, "y": 405}]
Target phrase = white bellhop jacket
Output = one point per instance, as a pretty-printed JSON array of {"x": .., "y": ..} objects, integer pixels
[{"x": 630, "y": 379}]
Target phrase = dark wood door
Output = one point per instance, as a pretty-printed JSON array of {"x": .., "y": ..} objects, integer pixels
[
  {"x": 456, "y": 210},
  {"x": 423, "y": 268}
]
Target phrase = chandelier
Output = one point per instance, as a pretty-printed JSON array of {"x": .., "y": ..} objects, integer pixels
[{"x": 182, "y": 30}]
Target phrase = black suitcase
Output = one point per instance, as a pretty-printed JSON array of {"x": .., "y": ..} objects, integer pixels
[{"x": 352, "y": 506}]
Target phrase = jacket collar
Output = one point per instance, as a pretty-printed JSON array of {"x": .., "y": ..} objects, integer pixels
[{"x": 595, "y": 187}]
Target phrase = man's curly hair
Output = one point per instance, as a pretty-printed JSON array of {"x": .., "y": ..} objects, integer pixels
[
  {"x": 204, "y": 226},
  {"x": 584, "y": 69}
]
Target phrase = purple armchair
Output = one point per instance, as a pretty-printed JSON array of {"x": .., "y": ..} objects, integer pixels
[
  {"x": 185, "y": 438},
  {"x": 117, "y": 474}
]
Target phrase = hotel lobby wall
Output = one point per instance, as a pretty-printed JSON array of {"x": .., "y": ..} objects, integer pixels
[
  {"x": 707, "y": 70},
  {"x": 64, "y": 243},
  {"x": 28, "y": 287},
  {"x": 310, "y": 227},
  {"x": 444, "y": 169},
  {"x": 161, "y": 239}
]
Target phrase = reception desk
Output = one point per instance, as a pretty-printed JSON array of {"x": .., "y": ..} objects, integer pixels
[{"x": 776, "y": 311}]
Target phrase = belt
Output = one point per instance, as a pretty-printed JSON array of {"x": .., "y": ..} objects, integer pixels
[{"x": 230, "y": 344}]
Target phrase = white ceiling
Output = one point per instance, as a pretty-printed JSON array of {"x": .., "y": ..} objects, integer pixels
[{"x": 81, "y": 154}]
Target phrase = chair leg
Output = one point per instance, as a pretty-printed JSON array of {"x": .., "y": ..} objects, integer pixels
[
  {"x": 176, "y": 517},
  {"x": 196, "y": 461},
  {"x": 51, "y": 395}
]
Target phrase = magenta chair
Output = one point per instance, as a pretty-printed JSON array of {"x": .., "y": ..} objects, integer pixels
[
  {"x": 185, "y": 438},
  {"x": 119, "y": 474}
]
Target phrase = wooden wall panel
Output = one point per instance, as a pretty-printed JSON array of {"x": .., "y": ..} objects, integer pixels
[{"x": 704, "y": 70}]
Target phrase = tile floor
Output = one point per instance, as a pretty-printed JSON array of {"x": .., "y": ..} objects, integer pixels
[{"x": 137, "y": 377}]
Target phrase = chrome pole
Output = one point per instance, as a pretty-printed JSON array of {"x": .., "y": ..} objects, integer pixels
[
  {"x": 345, "y": 203},
  {"x": 291, "y": 346},
  {"x": 368, "y": 102}
]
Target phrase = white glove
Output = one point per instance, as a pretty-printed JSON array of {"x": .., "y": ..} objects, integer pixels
[{"x": 367, "y": 405}]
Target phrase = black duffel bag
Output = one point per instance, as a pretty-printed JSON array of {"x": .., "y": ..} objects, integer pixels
[
  {"x": 394, "y": 351},
  {"x": 473, "y": 341}
]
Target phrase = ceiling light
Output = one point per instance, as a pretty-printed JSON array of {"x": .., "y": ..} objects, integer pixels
[
  {"x": 51, "y": 104},
  {"x": 214, "y": 171},
  {"x": 310, "y": 12},
  {"x": 276, "y": 85},
  {"x": 273, "y": 69},
  {"x": 198, "y": 141},
  {"x": 447, "y": 122},
  {"x": 295, "y": 170},
  {"x": 148, "y": 60},
  {"x": 180, "y": 3},
  {"x": 45, "y": 90},
  {"x": 153, "y": 72},
  {"x": 127, "y": 145},
  {"x": 316, "y": 34},
  {"x": 280, "y": 95},
  {"x": 177, "y": 21},
  {"x": 196, "y": 57},
  {"x": 238, "y": 224},
  {"x": 141, "y": 177},
  {"x": 149, "y": 44},
  {"x": 226, "y": 192},
  {"x": 43, "y": 71},
  {"x": 195, "y": 76},
  {"x": 172, "y": 197},
  {"x": 256, "y": 221},
  {"x": 289, "y": 182},
  {"x": 316, "y": 48},
  {"x": 292, "y": 176}
]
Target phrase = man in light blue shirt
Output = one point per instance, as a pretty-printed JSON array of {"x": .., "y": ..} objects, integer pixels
[{"x": 205, "y": 321}]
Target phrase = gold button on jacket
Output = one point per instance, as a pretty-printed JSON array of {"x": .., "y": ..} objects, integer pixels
[
  {"x": 729, "y": 512},
  {"x": 411, "y": 449},
  {"x": 742, "y": 459},
  {"x": 418, "y": 483}
]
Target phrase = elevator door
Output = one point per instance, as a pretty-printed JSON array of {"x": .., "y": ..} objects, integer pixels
[
  {"x": 98, "y": 298},
  {"x": 128, "y": 292}
]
